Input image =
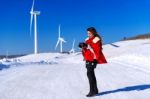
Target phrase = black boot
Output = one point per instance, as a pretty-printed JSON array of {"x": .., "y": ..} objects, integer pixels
[
  {"x": 95, "y": 89},
  {"x": 90, "y": 94}
]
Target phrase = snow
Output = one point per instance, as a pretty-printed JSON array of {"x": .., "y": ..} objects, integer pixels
[{"x": 63, "y": 76}]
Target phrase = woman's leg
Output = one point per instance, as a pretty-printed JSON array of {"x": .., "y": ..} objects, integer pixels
[
  {"x": 90, "y": 74},
  {"x": 92, "y": 79},
  {"x": 95, "y": 84}
]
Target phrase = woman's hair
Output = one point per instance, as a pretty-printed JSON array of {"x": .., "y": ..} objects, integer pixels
[{"x": 94, "y": 32}]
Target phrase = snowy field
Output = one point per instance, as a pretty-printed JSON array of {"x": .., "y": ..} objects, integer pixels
[{"x": 62, "y": 76}]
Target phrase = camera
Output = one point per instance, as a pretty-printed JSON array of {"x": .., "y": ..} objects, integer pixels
[{"x": 82, "y": 45}]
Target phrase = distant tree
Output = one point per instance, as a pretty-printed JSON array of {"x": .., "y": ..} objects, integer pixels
[{"x": 142, "y": 36}]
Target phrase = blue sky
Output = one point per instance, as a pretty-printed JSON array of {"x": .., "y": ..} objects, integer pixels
[{"x": 113, "y": 19}]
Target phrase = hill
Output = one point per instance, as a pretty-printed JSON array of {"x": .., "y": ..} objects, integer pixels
[
  {"x": 63, "y": 76},
  {"x": 142, "y": 36}
]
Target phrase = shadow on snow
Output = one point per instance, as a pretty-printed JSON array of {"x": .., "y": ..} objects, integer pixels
[
  {"x": 2, "y": 66},
  {"x": 114, "y": 45},
  {"x": 129, "y": 88}
]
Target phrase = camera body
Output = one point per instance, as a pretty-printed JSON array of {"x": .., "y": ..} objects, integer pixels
[{"x": 82, "y": 45}]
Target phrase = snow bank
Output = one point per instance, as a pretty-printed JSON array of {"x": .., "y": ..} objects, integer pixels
[{"x": 63, "y": 76}]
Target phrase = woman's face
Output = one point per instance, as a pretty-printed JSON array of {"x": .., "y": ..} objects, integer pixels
[{"x": 89, "y": 34}]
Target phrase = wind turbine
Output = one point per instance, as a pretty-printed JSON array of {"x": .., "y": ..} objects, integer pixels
[
  {"x": 60, "y": 40},
  {"x": 34, "y": 15},
  {"x": 73, "y": 49}
]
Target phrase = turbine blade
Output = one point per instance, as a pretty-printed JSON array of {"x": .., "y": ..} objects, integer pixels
[
  {"x": 73, "y": 43},
  {"x": 32, "y": 8},
  {"x": 59, "y": 31},
  {"x": 31, "y": 18},
  {"x": 62, "y": 39},
  {"x": 57, "y": 44}
]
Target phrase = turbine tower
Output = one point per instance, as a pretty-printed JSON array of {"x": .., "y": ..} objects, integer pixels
[
  {"x": 73, "y": 49},
  {"x": 34, "y": 15},
  {"x": 60, "y": 41}
]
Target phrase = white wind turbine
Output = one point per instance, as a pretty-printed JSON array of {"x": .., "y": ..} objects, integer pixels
[
  {"x": 73, "y": 49},
  {"x": 60, "y": 41},
  {"x": 34, "y": 15}
]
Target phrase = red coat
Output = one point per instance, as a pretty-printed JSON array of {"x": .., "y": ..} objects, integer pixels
[
  {"x": 96, "y": 46},
  {"x": 88, "y": 55}
]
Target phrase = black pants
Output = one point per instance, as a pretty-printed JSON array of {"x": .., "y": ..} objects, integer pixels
[{"x": 91, "y": 76}]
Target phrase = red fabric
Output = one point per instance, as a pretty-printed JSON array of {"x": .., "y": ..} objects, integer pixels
[
  {"x": 97, "y": 48},
  {"x": 88, "y": 55}
]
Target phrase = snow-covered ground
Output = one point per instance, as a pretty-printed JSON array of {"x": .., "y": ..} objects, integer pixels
[{"x": 63, "y": 76}]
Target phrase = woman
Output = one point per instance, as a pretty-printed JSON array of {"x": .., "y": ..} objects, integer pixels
[{"x": 94, "y": 43}]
